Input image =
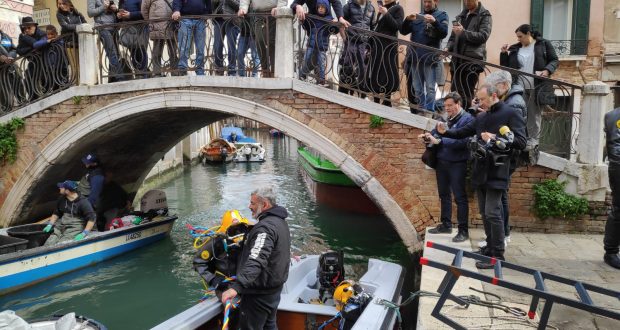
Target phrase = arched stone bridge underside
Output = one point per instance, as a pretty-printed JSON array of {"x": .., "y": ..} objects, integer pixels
[{"x": 132, "y": 124}]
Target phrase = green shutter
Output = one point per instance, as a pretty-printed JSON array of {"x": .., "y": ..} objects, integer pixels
[
  {"x": 537, "y": 15},
  {"x": 581, "y": 21}
]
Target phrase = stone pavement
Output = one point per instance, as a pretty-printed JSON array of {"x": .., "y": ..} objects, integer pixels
[{"x": 575, "y": 256}]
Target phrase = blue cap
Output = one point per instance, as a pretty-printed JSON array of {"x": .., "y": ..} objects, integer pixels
[
  {"x": 68, "y": 184},
  {"x": 90, "y": 159}
]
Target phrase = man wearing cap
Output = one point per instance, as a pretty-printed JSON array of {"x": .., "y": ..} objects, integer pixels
[
  {"x": 91, "y": 184},
  {"x": 73, "y": 217}
]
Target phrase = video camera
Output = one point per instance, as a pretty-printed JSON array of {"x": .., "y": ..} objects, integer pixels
[{"x": 498, "y": 148}]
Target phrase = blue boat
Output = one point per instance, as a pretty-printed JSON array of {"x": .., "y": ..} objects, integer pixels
[
  {"x": 248, "y": 149},
  {"x": 27, "y": 267},
  {"x": 235, "y": 135}
]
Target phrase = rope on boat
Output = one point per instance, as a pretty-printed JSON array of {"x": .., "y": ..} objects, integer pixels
[
  {"x": 326, "y": 323},
  {"x": 201, "y": 234}
]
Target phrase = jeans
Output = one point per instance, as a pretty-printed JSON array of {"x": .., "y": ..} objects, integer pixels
[
  {"x": 158, "y": 50},
  {"x": 192, "y": 27},
  {"x": 108, "y": 39},
  {"x": 229, "y": 30},
  {"x": 245, "y": 43},
  {"x": 265, "y": 37},
  {"x": 490, "y": 206},
  {"x": 534, "y": 118},
  {"x": 313, "y": 59},
  {"x": 611, "y": 242},
  {"x": 451, "y": 181},
  {"x": 424, "y": 80}
]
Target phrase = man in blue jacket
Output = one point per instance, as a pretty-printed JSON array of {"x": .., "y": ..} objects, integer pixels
[
  {"x": 498, "y": 130},
  {"x": 420, "y": 65},
  {"x": 262, "y": 268},
  {"x": 451, "y": 169},
  {"x": 191, "y": 27}
]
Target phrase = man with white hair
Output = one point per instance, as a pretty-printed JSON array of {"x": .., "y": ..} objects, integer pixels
[{"x": 262, "y": 268}]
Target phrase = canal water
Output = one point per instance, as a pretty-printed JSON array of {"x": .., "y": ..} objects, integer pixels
[{"x": 147, "y": 286}]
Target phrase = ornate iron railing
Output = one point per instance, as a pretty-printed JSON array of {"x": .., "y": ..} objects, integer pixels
[
  {"x": 570, "y": 47},
  {"x": 396, "y": 72},
  {"x": 230, "y": 45},
  {"x": 38, "y": 74}
]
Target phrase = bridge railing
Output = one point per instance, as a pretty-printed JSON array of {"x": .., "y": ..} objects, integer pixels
[
  {"x": 38, "y": 74},
  {"x": 393, "y": 71},
  {"x": 143, "y": 49}
]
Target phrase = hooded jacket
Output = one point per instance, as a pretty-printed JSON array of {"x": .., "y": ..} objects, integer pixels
[
  {"x": 312, "y": 6},
  {"x": 265, "y": 258},
  {"x": 612, "y": 131},
  {"x": 426, "y": 34},
  {"x": 514, "y": 99},
  {"x": 360, "y": 18}
]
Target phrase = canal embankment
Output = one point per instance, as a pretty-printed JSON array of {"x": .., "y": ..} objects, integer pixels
[{"x": 575, "y": 256}]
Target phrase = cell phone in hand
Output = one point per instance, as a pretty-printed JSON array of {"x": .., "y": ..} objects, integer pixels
[
  {"x": 455, "y": 23},
  {"x": 380, "y": 3}
]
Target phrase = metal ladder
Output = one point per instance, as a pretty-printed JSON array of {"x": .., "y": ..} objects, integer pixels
[{"x": 455, "y": 270}]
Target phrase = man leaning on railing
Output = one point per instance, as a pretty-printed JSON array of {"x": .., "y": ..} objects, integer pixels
[
  {"x": 189, "y": 27},
  {"x": 104, "y": 12},
  {"x": 264, "y": 29}
]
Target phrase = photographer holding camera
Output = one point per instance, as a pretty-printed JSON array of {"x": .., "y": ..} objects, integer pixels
[
  {"x": 451, "y": 169},
  {"x": 498, "y": 130}
]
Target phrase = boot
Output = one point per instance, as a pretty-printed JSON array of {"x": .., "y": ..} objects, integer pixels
[
  {"x": 489, "y": 265},
  {"x": 612, "y": 259}
]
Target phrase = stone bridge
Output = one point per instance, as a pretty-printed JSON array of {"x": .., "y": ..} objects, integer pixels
[{"x": 132, "y": 124}]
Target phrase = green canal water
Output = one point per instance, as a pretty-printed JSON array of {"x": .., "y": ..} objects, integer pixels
[{"x": 147, "y": 286}]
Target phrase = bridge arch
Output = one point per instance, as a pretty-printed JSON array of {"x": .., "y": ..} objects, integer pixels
[{"x": 146, "y": 124}]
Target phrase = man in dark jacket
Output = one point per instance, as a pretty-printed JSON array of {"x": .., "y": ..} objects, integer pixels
[
  {"x": 612, "y": 227},
  {"x": 498, "y": 130},
  {"x": 263, "y": 266},
  {"x": 191, "y": 28},
  {"x": 91, "y": 184},
  {"x": 470, "y": 31},
  {"x": 420, "y": 65},
  {"x": 451, "y": 170}
]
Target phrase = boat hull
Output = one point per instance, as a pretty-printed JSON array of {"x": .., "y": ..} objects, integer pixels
[{"x": 27, "y": 267}]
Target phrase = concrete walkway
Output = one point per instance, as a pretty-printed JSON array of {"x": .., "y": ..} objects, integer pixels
[{"x": 579, "y": 257}]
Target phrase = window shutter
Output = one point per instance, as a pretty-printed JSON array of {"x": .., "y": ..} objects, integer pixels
[
  {"x": 581, "y": 21},
  {"x": 536, "y": 15}
]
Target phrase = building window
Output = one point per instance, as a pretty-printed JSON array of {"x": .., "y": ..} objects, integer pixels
[{"x": 564, "y": 22}]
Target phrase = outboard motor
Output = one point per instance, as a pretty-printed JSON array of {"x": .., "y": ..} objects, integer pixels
[
  {"x": 330, "y": 273},
  {"x": 154, "y": 203}
]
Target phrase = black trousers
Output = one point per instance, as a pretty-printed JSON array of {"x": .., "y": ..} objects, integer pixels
[
  {"x": 258, "y": 311},
  {"x": 451, "y": 181},
  {"x": 612, "y": 227},
  {"x": 464, "y": 80},
  {"x": 490, "y": 205}
]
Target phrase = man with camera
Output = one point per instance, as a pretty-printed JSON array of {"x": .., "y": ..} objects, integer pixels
[
  {"x": 497, "y": 131},
  {"x": 420, "y": 64},
  {"x": 451, "y": 170}
]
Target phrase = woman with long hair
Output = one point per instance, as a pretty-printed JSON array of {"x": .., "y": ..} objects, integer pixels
[
  {"x": 536, "y": 56},
  {"x": 69, "y": 18}
]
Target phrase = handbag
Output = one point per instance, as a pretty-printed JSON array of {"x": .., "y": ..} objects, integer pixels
[
  {"x": 134, "y": 36},
  {"x": 429, "y": 157}
]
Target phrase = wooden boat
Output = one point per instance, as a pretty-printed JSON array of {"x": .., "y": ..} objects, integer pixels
[
  {"x": 218, "y": 151},
  {"x": 383, "y": 280},
  {"x": 26, "y": 267},
  {"x": 330, "y": 186}
]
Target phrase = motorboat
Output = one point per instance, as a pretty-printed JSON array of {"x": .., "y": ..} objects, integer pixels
[
  {"x": 25, "y": 261},
  {"x": 218, "y": 151},
  {"x": 301, "y": 304},
  {"x": 248, "y": 149},
  {"x": 250, "y": 152},
  {"x": 276, "y": 132},
  {"x": 67, "y": 321}
]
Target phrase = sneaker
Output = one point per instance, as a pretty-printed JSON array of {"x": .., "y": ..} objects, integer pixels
[
  {"x": 484, "y": 251},
  {"x": 441, "y": 229},
  {"x": 612, "y": 259},
  {"x": 488, "y": 265},
  {"x": 483, "y": 243},
  {"x": 506, "y": 241},
  {"x": 462, "y": 236}
]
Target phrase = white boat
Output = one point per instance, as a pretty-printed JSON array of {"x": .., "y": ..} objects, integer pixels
[
  {"x": 23, "y": 268},
  {"x": 69, "y": 321},
  {"x": 250, "y": 152},
  {"x": 383, "y": 280}
]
